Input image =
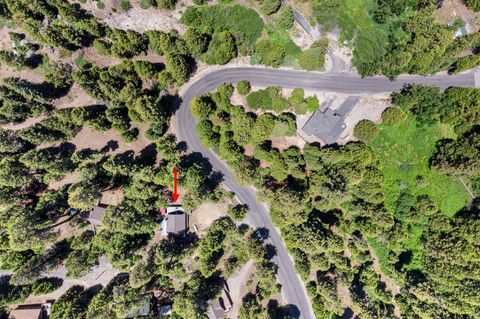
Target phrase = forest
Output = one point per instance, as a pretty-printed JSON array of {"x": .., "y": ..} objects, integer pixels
[
  {"x": 383, "y": 227},
  {"x": 402, "y": 31},
  {"x": 391, "y": 243}
]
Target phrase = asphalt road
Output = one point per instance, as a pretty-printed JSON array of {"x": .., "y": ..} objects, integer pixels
[{"x": 293, "y": 289}]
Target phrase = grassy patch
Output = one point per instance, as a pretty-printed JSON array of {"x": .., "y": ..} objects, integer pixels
[
  {"x": 283, "y": 39},
  {"x": 404, "y": 151},
  {"x": 235, "y": 18}
]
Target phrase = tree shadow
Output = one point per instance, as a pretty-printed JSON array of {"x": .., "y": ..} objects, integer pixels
[
  {"x": 262, "y": 233},
  {"x": 148, "y": 155},
  {"x": 271, "y": 251},
  {"x": 111, "y": 146}
]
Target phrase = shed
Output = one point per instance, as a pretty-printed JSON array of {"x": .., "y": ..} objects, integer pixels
[
  {"x": 95, "y": 215},
  {"x": 174, "y": 222}
]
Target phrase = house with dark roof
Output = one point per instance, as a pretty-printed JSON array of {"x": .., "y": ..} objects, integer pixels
[
  {"x": 174, "y": 222},
  {"x": 327, "y": 124}
]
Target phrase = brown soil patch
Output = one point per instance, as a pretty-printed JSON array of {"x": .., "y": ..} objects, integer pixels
[
  {"x": 34, "y": 76},
  {"x": 456, "y": 9},
  {"x": 28, "y": 122},
  {"x": 136, "y": 18},
  {"x": 112, "y": 197},
  {"x": 89, "y": 138},
  {"x": 205, "y": 214},
  {"x": 76, "y": 97},
  {"x": 69, "y": 179},
  {"x": 101, "y": 60},
  {"x": 284, "y": 142}
]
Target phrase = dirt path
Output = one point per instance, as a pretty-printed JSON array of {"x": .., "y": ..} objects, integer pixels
[{"x": 389, "y": 282}]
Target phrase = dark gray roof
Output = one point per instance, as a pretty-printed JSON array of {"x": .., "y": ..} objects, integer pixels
[
  {"x": 328, "y": 124},
  {"x": 321, "y": 124},
  {"x": 347, "y": 106}
]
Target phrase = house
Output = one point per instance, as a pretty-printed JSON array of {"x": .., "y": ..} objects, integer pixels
[
  {"x": 220, "y": 306},
  {"x": 174, "y": 222},
  {"x": 32, "y": 311},
  {"x": 327, "y": 124},
  {"x": 95, "y": 215}
]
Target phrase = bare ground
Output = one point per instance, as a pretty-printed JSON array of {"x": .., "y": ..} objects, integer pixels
[
  {"x": 238, "y": 287},
  {"x": 205, "y": 214},
  {"x": 456, "y": 9},
  {"x": 76, "y": 97},
  {"x": 367, "y": 108},
  {"x": 136, "y": 18},
  {"x": 89, "y": 138}
]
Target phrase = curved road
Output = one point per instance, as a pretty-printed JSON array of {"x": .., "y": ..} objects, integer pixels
[{"x": 293, "y": 288}]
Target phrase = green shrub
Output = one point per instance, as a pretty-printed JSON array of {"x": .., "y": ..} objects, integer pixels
[
  {"x": 145, "y": 4},
  {"x": 270, "y": 53},
  {"x": 270, "y": 6},
  {"x": 45, "y": 286},
  {"x": 311, "y": 60},
  {"x": 267, "y": 99},
  {"x": 285, "y": 19},
  {"x": 365, "y": 130},
  {"x": 393, "y": 116},
  {"x": 312, "y": 103},
  {"x": 473, "y": 4},
  {"x": 130, "y": 135},
  {"x": 166, "y": 4},
  {"x": 240, "y": 21},
  {"x": 125, "y": 5},
  {"x": 243, "y": 87},
  {"x": 221, "y": 49},
  {"x": 237, "y": 212}
]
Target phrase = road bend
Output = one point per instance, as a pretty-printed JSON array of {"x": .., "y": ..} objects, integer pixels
[{"x": 293, "y": 288}]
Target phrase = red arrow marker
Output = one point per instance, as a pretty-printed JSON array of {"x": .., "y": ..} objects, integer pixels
[{"x": 175, "y": 194}]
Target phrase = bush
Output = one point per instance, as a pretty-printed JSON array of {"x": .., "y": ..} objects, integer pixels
[
  {"x": 267, "y": 99},
  {"x": 393, "y": 116},
  {"x": 100, "y": 5},
  {"x": 221, "y": 49},
  {"x": 125, "y": 5},
  {"x": 270, "y": 53},
  {"x": 285, "y": 19},
  {"x": 166, "y": 4},
  {"x": 365, "y": 130},
  {"x": 243, "y": 87},
  {"x": 270, "y": 6},
  {"x": 473, "y": 5},
  {"x": 45, "y": 286},
  {"x": 237, "y": 212},
  {"x": 145, "y": 4},
  {"x": 314, "y": 58},
  {"x": 312, "y": 103},
  {"x": 242, "y": 22}
]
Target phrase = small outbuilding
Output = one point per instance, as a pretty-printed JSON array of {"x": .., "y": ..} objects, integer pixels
[
  {"x": 95, "y": 215},
  {"x": 174, "y": 222}
]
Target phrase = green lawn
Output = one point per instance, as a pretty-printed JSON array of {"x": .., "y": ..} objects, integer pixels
[{"x": 404, "y": 152}]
